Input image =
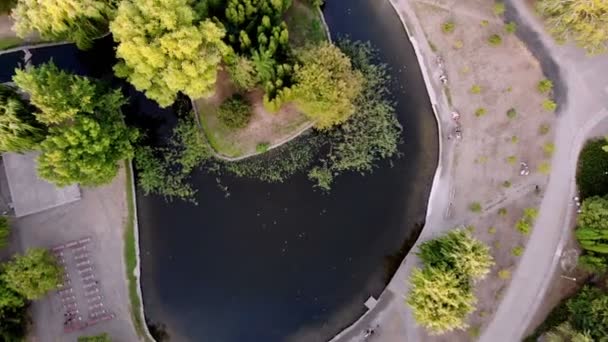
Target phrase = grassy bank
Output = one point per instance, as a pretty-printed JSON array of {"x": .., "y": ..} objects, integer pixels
[
  {"x": 9, "y": 42},
  {"x": 131, "y": 256}
]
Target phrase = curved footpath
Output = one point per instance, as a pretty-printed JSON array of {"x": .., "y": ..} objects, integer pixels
[{"x": 580, "y": 94}]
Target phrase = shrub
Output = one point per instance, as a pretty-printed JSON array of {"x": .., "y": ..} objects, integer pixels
[
  {"x": 506, "y": 184},
  {"x": 234, "y": 112},
  {"x": 262, "y": 147},
  {"x": 480, "y": 112},
  {"x": 499, "y": 8},
  {"x": 504, "y": 274},
  {"x": 512, "y": 113},
  {"x": 511, "y": 27},
  {"x": 524, "y": 225},
  {"x": 514, "y": 139},
  {"x": 448, "y": 27},
  {"x": 549, "y": 105},
  {"x": 502, "y": 212},
  {"x": 458, "y": 44},
  {"x": 589, "y": 312},
  {"x": 511, "y": 160},
  {"x": 322, "y": 177},
  {"x": 594, "y": 213},
  {"x": 475, "y": 89},
  {"x": 517, "y": 251},
  {"x": 592, "y": 165},
  {"x": 544, "y": 168},
  {"x": 549, "y": 148},
  {"x": 475, "y": 207},
  {"x": 484, "y": 23},
  {"x": 492, "y": 230},
  {"x": 495, "y": 40},
  {"x": 544, "y": 129},
  {"x": 544, "y": 86}
]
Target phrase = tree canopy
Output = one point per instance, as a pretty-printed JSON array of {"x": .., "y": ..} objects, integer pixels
[
  {"x": 585, "y": 21},
  {"x": 79, "y": 21},
  {"x": 86, "y": 133},
  {"x": 326, "y": 85},
  {"x": 594, "y": 213},
  {"x": 163, "y": 50},
  {"x": 32, "y": 275},
  {"x": 5, "y": 231},
  {"x": 441, "y": 295},
  {"x": 19, "y": 130}
]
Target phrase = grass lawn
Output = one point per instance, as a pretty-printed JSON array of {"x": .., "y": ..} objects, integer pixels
[
  {"x": 305, "y": 24},
  {"x": 218, "y": 135},
  {"x": 9, "y": 42},
  {"x": 131, "y": 256}
]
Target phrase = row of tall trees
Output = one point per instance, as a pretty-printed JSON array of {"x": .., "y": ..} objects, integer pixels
[{"x": 74, "y": 122}]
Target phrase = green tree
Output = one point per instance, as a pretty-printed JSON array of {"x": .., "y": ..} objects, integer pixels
[
  {"x": 163, "y": 50},
  {"x": 32, "y": 275},
  {"x": 589, "y": 312},
  {"x": 5, "y": 231},
  {"x": 59, "y": 95},
  {"x": 13, "y": 315},
  {"x": 242, "y": 72},
  {"x": 594, "y": 213},
  {"x": 566, "y": 333},
  {"x": 326, "y": 85},
  {"x": 87, "y": 136},
  {"x": 19, "y": 130},
  {"x": 97, "y": 338},
  {"x": 457, "y": 250},
  {"x": 438, "y": 301},
  {"x": 584, "y": 21},
  {"x": 79, "y": 21}
]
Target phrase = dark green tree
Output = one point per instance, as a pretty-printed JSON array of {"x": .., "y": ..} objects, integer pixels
[{"x": 5, "y": 231}]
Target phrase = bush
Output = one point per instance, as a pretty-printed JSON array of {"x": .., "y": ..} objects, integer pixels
[
  {"x": 484, "y": 23},
  {"x": 592, "y": 165},
  {"x": 511, "y": 160},
  {"x": 504, "y": 274},
  {"x": 492, "y": 230},
  {"x": 322, "y": 177},
  {"x": 234, "y": 112},
  {"x": 448, "y": 27},
  {"x": 524, "y": 225},
  {"x": 517, "y": 251},
  {"x": 512, "y": 113},
  {"x": 262, "y": 147},
  {"x": 593, "y": 263},
  {"x": 458, "y": 44},
  {"x": 475, "y": 207},
  {"x": 544, "y": 86},
  {"x": 589, "y": 312},
  {"x": 549, "y": 148},
  {"x": 495, "y": 40},
  {"x": 480, "y": 112},
  {"x": 499, "y": 8},
  {"x": 511, "y": 27},
  {"x": 475, "y": 89},
  {"x": 544, "y": 168},
  {"x": 502, "y": 212},
  {"x": 514, "y": 139},
  {"x": 506, "y": 184},
  {"x": 549, "y": 105}
]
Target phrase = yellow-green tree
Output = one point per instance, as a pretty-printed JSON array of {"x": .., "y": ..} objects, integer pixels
[
  {"x": 163, "y": 50},
  {"x": 74, "y": 20},
  {"x": 33, "y": 274},
  {"x": 585, "y": 21},
  {"x": 326, "y": 85}
]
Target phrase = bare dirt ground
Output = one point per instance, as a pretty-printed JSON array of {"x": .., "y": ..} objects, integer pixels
[
  {"x": 487, "y": 160},
  {"x": 263, "y": 128}
]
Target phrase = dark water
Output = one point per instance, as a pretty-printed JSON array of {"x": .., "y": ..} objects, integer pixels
[{"x": 278, "y": 262}]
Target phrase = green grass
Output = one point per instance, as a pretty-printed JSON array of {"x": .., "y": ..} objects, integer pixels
[
  {"x": 131, "y": 255},
  {"x": 9, "y": 42}
]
